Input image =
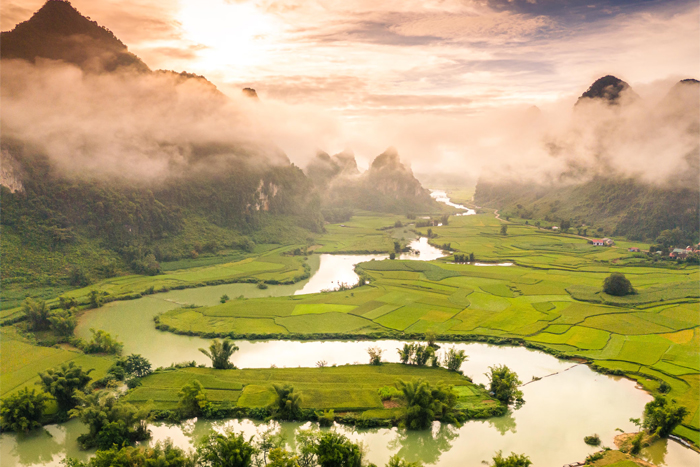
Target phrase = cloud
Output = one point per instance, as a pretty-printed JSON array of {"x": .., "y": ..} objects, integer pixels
[{"x": 144, "y": 126}]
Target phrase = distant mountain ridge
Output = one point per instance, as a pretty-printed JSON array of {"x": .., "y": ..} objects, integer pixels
[
  {"x": 615, "y": 203},
  {"x": 388, "y": 185}
]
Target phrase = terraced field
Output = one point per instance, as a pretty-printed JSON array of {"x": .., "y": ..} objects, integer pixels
[
  {"x": 552, "y": 298},
  {"x": 350, "y": 388}
]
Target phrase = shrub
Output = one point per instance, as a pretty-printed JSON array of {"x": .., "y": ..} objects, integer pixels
[
  {"x": 63, "y": 382},
  {"x": 504, "y": 384},
  {"x": 662, "y": 416},
  {"x": 287, "y": 404},
  {"x": 454, "y": 359},
  {"x": 426, "y": 403},
  {"x": 22, "y": 411},
  {"x": 617, "y": 284},
  {"x": 193, "y": 399},
  {"x": 592, "y": 440},
  {"x": 226, "y": 450},
  {"x": 375, "y": 355},
  {"x": 514, "y": 460},
  {"x": 325, "y": 418},
  {"x": 336, "y": 450},
  {"x": 102, "y": 342}
]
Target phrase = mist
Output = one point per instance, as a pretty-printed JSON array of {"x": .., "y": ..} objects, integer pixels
[
  {"x": 144, "y": 126},
  {"x": 150, "y": 126}
]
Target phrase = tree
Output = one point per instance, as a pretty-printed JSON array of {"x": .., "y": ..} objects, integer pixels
[
  {"x": 375, "y": 355},
  {"x": 661, "y": 416},
  {"x": 287, "y": 404},
  {"x": 95, "y": 299},
  {"x": 22, "y": 411},
  {"x": 225, "y": 450},
  {"x": 504, "y": 384},
  {"x": 281, "y": 458},
  {"x": 220, "y": 352},
  {"x": 336, "y": 450},
  {"x": 392, "y": 255},
  {"x": 193, "y": 399},
  {"x": 617, "y": 284},
  {"x": 426, "y": 403},
  {"x": 163, "y": 454},
  {"x": 137, "y": 366},
  {"x": 63, "y": 382},
  {"x": 102, "y": 342},
  {"x": 397, "y": 247},
  {"x": 454, "y": 359},
  {"x": 514, "y": 460},
  {"x": 564, "y": 225},
  {"x": 63, "y": 322},
  {"x": 224, "y": 298},
  {"x": 396, "y": 461},
  {"x": 504, "y": 229},
  {"x": 110, "y": 421},
  {"x": 37, "y": 313},
  {"x": 405, "y": 353}
]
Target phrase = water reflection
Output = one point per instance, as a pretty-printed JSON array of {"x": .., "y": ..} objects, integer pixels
[
  {"x": 504, "y": 424},
  {"x": 424, "y": 446}
]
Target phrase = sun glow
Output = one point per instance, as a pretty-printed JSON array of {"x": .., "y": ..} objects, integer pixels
[{"x": 232, "y": 33}]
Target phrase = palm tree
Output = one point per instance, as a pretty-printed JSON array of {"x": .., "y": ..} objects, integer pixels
[
  {"x": 287, "y": 405},
  {"x": 405, "y": 353},
  {"x": 220, "y": 352}
]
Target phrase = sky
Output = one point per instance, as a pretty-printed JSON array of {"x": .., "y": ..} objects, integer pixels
[{"x": 417, "y": 75}]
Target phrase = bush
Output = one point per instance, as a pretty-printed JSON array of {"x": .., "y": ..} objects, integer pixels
[
  {"x": 325, "y": 418},
  {"x": 375, "y": 355},
  {"x": 193, "y": 399},
  {"x": 262, "y": 285},
  {"x": 102, "y": 342},
  {"x": 226, "y": 450},
  {"x": 617, "y": 284},
  {"x": 426, "y": 403},
  {"x": 454, "y": 359},
  {"x": 592, "y": 440},
  {"x": 63, "y": 382},
  {"x": 514, "y": 460},
  {"x": 662, "y": 416},
  {"x": 504, "y": 384},
  {"x": 336, "y": 450},
  {"x": 22, "y": 411}
]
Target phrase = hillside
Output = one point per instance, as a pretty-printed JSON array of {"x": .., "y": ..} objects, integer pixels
[
  {"x": 86, "y": 202},
  {"x": 387, "y": 186},
  {"x": 592, "y": 194}
]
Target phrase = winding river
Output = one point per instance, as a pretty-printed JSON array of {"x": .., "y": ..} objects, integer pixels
[{"x": 568, "y": 403}]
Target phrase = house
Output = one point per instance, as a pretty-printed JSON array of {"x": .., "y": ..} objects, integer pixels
[
  {"x": 634, "y": 249},
  {"x": 554, "y": 227},
  {"x": 597, "y": 242},
  {"x": 678, "y": 253},
  {"x": 608, "y": 242}
]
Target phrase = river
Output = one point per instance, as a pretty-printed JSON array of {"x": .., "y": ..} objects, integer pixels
[{"x": 559, "y": 411}]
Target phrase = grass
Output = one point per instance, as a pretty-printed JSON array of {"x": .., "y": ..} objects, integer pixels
[
  {"x": 346, "y": 388},
  {"x": 22, "y": 361},
  {"x": 551, "y": 297}
]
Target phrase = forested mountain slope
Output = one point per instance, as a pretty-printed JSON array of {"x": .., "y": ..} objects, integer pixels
[{"x": 648, "y": 197}]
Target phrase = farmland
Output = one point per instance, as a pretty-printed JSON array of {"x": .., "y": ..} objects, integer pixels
[
  {"x": 551, "y": 299},
  {"x": 321, "y": 388}
]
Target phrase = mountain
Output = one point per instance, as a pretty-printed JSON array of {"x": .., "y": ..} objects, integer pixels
[
  {"x": 610, "y": 203},
  {"x": 387, "y": 186},
  {"x": 58, "y": 31},
  {"x": 62, "y": 223},
  {"x": 609, "y": 89}
]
